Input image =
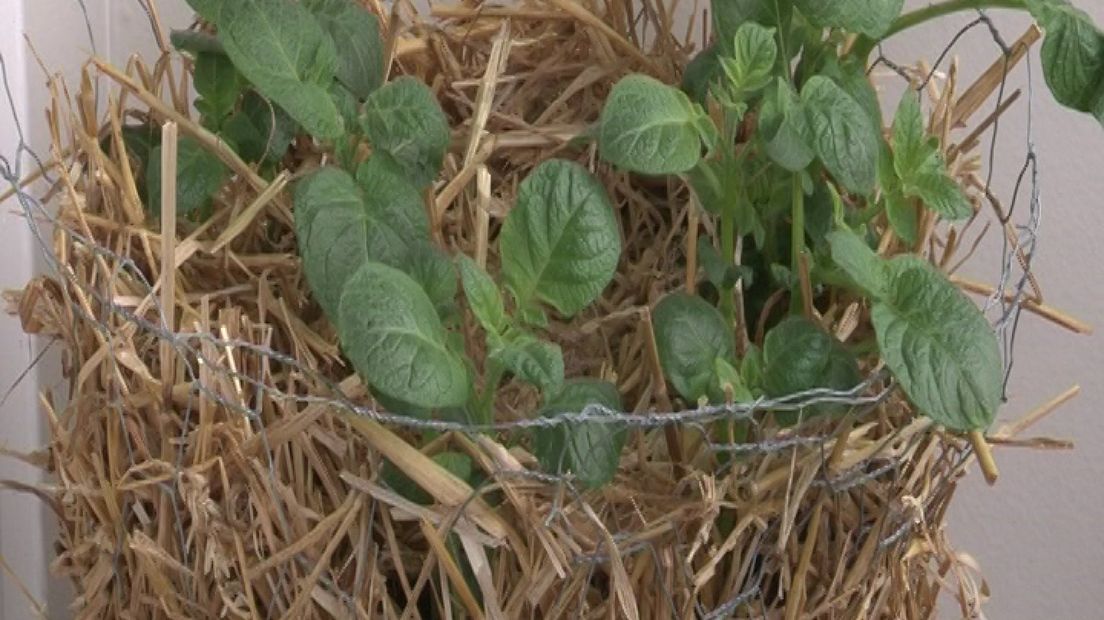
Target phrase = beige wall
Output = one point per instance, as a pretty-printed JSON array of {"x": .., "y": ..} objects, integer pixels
[{"x": 1038, "y": 534}]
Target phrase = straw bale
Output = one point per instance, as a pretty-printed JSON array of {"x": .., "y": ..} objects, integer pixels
[{"x": 173, "y": 503}]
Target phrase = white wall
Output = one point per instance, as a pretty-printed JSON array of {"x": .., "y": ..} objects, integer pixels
[
  {"x": 22, "y": 519},
  {"x": 57, "y": 30},
  {"x": 1038, "y": 534}
]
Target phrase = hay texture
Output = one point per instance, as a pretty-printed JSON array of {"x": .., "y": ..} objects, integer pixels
[{"x": 208, "y": 465}]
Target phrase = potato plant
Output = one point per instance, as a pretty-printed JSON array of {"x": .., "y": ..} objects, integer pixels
[
  {"x": 801, "y": 190},
  {"x": 775, "y": 128}
]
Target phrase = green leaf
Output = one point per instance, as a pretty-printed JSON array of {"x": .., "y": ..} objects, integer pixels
[
  {"x": 941, "y": 194},
  {"x": 398, "y": 407},
  {"x": 921, "y": 172},
  {"x": 729, "y": 15},
  {"x": 720, "y": 273},
  {"x": 260, "y": 130},
  {"x": 783, "y": 276},
  {"x": 590, "y": 450},
  {"x": 649, "y": 127},
  {"x": 715, "y": 183},
  {"x": 532, "y": 360},
  {"x": 721, "y": 184},
  {"x": 393, "y": 203},
  {"x": 851, "y": 75},
  {"x": 560, "y": 243},
  {"x": 331, "y": 224},
  {"x": 435, "y": 272},
  {"x": 912, "y": 148},
  {"x": 347, "y": 148},
  {"x": 340, "y": 227},
  {"x": 690, "y": 335},
  {"x": 799, "y": 356},
  {"x": 754, "y": 52},
  {"x": 862, "y": 265},
  {"x": 1072, "y": 55},
  {"x": 359, "y": 51},
  {"x": 200, "y": 174},
  {"x": 729, "y": 378},
  {"x": 138, "y": 142},
  {"x": 939, "y": 346},
  {"x": 195, "y": 42},
  {"x": 700, "y": 74},
  {"x": 207, "y": 9},
  {"x": 219, "y": 86},
  {"x": 708, "y": 133},
  {"x": 902, "y": 216},
  {"x": 404, "y": 120},
  {"x": 818, "y": 215},
  {"x": 751, "y": 368},
  {"x": 456, "y": 463},
  {"x": 870, "y": 17},
  {"x": 283, "y": 51},
  {"x": 390, "y": 331},
  {"x": 733, "y": 104},
  {"x": 533, "y": 316},
  {"x": 842, "y": 134},
  {"x": 716, "y": 268},
  {"x": 785, "y": 129},
  {"x": 347, "y": 105},
  {"x": 483, "y": 296}
]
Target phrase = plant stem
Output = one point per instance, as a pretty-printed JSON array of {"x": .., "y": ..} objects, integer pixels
[
  {"x": 693, "y": 220},
  {"x": 728, "y": 251},
  {"x": 935, "y": 11},
  {"x": 797, "y": 243},
  {"x": 485, "y": 406},
  {"x": 670, "y": 434},
  {"x": 742, "y": 341},
  {"x": 914, "y": 18}
]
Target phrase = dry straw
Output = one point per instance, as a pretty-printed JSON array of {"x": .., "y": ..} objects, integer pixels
[{"x": 173, "y": 503}]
